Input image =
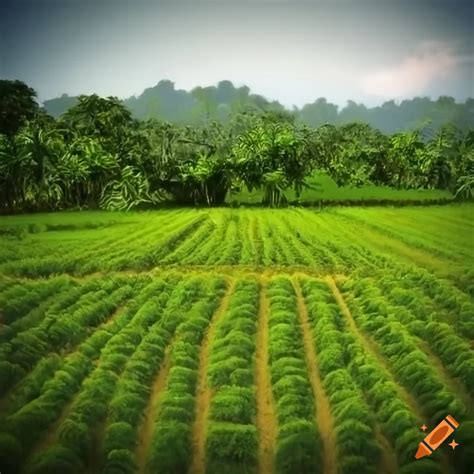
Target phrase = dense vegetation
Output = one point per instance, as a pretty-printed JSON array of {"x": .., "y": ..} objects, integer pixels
[
  {"x": 139, "y": 342},
  {"x": 97, "y": 155}
]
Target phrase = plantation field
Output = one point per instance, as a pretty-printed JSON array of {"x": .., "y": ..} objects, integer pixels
[{"x": 236, "y": 340}]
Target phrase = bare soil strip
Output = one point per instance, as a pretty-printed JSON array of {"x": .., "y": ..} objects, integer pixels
[
  {"x": 145, "y": 434},
  {"x": 322, "y": 407},
  {"x": 266, "y": 417},
  {"x": 203, "y": 391}
]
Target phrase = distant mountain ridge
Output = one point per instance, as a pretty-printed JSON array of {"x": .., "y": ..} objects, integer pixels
[{"x": 164, "y": 102}]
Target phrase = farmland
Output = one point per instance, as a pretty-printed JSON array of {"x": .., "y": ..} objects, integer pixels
[{"x": 236, "y": 340}]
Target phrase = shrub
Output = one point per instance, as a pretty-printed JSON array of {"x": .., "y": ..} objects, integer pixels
[
  {"x": 119, "y": 435},
  {"x": 124, "y": 407},
  {"x": 219, "y": 373},
  {"x": 232, "y": 443},
  {"x": 75, "y": 436},
  {"x": 120, "y": 461},
  {"x": 164, "y": 460},
  {"x": 184, "y": 400},
  {"x": 57, "y": 460},
  {"x": 298, "y": 448},
  {"x": 234, "y": 404},
  {"x": 355, "y": 438},
  {"x": 9, "y": 375},
  {"x": 293, "y": 407},
  {"x": 287, "y": 366},
  {"x": 422, "y": 466},
  {"x": 294, "y": 384},
  {"x": 182, "y": 375},
  {"x": 242, "y": 377}
]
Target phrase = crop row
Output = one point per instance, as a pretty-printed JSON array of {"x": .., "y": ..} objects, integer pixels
[
  {"x": 450, "y": 243},
  {"x": 75, "y": 440},
  {"x": 29, "y": 386},
  {"x": 353, "y": 419},
  {"x": 411, "y": 366},
  {"x": 214, "y": 237},
  {"x": 174, "y": 419},
  {"x": 16, "y": 301},
  {"x": 298, "y": 447},
  {"x": 134, "y": 387},
  {"x": 23, "y": 428},
  {"x": 420, "y": 316},
  {"x": 93, "y": 253},
  {"x": 339, "y": 349},
  {"x": 232, "y": 438},
  {"x": 61, "y": 331},
  {"x": 153, "y": 246},
  {"x": 455, "y": 303},
  {"x": 32, "y": 312},
  {"x": 57, "y": 331}
]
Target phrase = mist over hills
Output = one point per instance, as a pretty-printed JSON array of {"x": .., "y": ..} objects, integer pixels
[{"x": 164, "y": 102}]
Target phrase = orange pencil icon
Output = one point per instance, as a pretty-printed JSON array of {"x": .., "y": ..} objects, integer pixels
[{"x": 439, "y": 434}]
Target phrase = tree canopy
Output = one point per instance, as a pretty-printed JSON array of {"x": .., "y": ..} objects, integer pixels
[
  {"x": 17, "y": 105},
  {"x": 98, "y": 155}
]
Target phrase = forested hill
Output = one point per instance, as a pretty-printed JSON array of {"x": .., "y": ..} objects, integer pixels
[{"x": 165, "y": 102}]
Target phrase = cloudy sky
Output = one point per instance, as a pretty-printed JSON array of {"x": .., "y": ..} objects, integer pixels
[{"x": 290, "y": 50}]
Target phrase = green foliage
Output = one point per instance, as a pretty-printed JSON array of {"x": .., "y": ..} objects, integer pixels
[
  {"x": 231, "y": 446},
  {"x": 234, "y": 404},
  {"x": 11, "y": 453},
  {"x": 97, "y": 155},
  {"x": 171, "y": 461},
  {"x": 17, "y": 104},
  {"x": 9, "y": 375},
  {"x": 88, "y": 350},
  {"x": 57, "y": 461},
  {"x": 298, "y": 448},
  {"x": 120, "y": 461},
  {"x": 119, "y": 434}
]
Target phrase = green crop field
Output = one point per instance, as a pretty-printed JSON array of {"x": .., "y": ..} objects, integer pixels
[
  {"x": 321, "y": 187},
  {"x": 236, "y": 340}
]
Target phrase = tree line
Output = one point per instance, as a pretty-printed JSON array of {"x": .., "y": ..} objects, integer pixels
[
  {"x": 164, "y": 102},
  {"x": 96, "y": 155}
]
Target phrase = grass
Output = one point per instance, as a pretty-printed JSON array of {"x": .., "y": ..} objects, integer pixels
[{"x": 322, "y": 188}]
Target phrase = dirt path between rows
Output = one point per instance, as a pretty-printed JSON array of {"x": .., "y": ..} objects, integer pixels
[
  {"x": 266, "y": 417},
  {"x": 145, "y": 435},
  {"x": 203, "y": 391},
  {"x": 322, "y": 408}
]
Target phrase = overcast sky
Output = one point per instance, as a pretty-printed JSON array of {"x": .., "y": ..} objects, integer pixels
[{"x": 293, "y": 51}]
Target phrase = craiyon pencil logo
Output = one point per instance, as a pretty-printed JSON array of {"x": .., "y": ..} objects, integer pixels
[{"x": 437, "y": 437}]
